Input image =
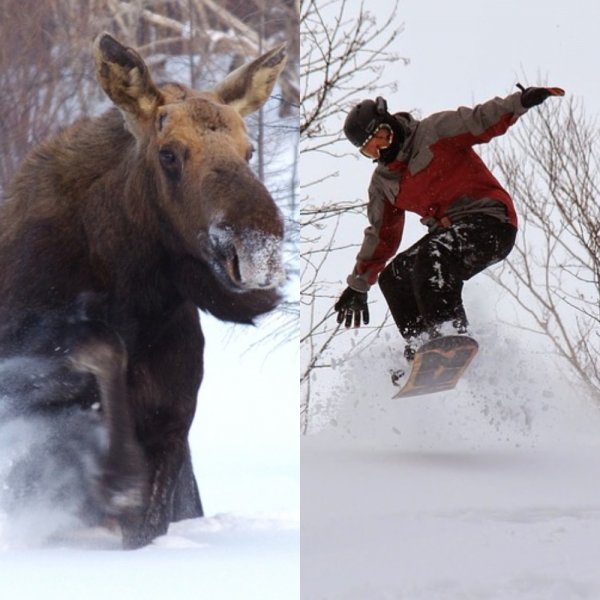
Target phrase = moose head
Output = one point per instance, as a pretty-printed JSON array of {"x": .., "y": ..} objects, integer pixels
[{"x": 210, "y": 205}]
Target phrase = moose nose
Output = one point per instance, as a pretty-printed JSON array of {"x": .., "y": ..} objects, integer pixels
[{"x": 250, "y": 258}]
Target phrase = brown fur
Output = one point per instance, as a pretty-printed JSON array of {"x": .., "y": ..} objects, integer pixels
[{"x": 113, "y": 234}]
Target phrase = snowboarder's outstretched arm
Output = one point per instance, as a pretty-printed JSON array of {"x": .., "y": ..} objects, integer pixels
[{"x": 485, "y": 121}]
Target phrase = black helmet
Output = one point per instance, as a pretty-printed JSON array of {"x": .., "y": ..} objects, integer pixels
[{"x": 364, "y": 119}]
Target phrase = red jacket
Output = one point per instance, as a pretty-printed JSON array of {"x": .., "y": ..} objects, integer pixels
[{"x": 436, "y": 174}]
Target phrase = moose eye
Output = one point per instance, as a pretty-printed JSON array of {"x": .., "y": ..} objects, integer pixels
[
  {"x": 169, "y": 162},
  {"x": 249, "y": 154}
]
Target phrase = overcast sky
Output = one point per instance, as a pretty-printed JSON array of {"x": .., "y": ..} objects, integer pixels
[{"x": 465, "y": 51}]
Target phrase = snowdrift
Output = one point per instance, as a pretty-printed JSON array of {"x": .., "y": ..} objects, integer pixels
[
  {"x": 245, "y": 450},
  {"x": 489, "y": 491}
]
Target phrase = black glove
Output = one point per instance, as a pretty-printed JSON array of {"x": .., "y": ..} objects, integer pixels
[
  {"x": 351, "y": 306},
  {"x": 532, "y": 96}
]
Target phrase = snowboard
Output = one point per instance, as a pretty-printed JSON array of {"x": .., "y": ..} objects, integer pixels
[{"x": 438, "y": 365}]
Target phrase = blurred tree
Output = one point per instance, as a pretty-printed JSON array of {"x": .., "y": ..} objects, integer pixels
[
  {"x": 46, "y": 70},
  {"x": 41, "y": 73}
]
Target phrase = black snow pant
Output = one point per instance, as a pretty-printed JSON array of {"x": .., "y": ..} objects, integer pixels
[{"x": 423, "y": 285}]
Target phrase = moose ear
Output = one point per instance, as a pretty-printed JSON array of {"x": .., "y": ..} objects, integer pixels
[
  {"x": 124, "y": 77},
  {"x": 246, "y": 89}
]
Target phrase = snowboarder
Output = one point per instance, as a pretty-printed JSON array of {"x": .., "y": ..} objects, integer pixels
[{"x": 430, "y": 168}]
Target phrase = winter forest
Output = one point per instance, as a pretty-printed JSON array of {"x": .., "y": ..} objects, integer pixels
[{"x": 316, "y": 484}]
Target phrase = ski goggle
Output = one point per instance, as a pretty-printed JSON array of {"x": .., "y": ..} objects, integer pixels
[{"x": 390, "y": 134}]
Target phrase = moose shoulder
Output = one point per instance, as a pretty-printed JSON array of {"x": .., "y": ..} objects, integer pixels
[{"x": 113, "y": 234}]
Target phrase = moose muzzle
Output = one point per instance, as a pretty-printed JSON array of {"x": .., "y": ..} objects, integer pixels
[{"x": 251, "y": 259}]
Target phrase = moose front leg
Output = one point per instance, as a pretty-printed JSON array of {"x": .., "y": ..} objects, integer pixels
[{"x": 164, "y": 387}]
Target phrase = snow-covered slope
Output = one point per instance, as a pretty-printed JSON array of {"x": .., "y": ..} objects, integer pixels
[{"x": 489, "y": 491}]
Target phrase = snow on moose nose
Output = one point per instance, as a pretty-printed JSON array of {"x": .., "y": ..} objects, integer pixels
[{"x": 251, "y": 259}]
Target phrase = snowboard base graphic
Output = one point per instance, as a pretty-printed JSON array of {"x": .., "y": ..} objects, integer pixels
[{"x": 438, "y": 365}]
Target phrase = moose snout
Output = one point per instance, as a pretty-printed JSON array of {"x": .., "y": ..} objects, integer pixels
[{"x": 251, "y": 259}]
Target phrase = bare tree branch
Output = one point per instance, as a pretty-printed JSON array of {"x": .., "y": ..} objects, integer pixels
[
  {"x": 338, "y": 40},
  {"x": 552, "y": 167}
]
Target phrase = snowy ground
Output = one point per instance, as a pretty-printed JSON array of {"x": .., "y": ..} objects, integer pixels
[
  {"x": 245, "y": 452},
  {"x": 489, "y": 492}
]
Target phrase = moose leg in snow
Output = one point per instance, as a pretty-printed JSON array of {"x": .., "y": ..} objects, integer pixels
[
  {"x": 122, "y": 485},
  {"x": 165, "y": 380}
]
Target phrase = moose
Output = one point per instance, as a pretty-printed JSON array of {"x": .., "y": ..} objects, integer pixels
[{"x": 113, "y": 235}]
